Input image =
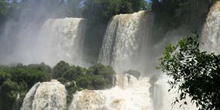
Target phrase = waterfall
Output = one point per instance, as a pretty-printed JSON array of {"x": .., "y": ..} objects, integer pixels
[
  {"x": 62, "y": 39},
  {"x": 130, "y": 95},
  {"x": 45, "y": 96},
  {"x": 162, "y": 99},
  {"x": 126, "y": 46},
  {"x": 211, "y": 33},
  {"x": 126, "y": 41},
  {"x": 52, "y": 41}
]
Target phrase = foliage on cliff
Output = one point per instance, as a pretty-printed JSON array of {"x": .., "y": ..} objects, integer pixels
[
  {"x": 15, "y": 81},
  {"x": 172, "y": 13},
  {"x": 103, "y": 10},
  {"x": 76, "y": 78},
  {"x": 179, "y": 15},
  {"x": 195, "y": 73},
  {"x": 4, "y": 10}
]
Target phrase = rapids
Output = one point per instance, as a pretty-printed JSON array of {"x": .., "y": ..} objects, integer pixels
[
  {"x": 129, "y": 94},
  {"x": 125, "y": 46},
  {"x": 46, "y": 96}
]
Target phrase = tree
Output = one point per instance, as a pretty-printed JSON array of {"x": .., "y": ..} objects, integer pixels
[
  {"x": 100, "y": 83},
  {"x": 15, "y": 81},
  {"x": 41, "y": 67},
  {"x": 195, "y": 73},
  {"x": 172, "y": 13},
  {"x": 10, "y": 92},
  {"x": 73, "y": 73},
  {"x": 3, "y": 76},
  {"x": 74, "y": 7},
  {"x": 59, "y": 69},
  {"x": 165, "y": 11},
  {"x": 85, "y": 82},
  {"x": 101, "y": 10},
  {"x": 4, "y": 9},
  {"x": 104, "y": 9},
  {"x": 4, "y": 13},
  {"x": 138, "y": 5},
  {"x": 106, "y": 72}
]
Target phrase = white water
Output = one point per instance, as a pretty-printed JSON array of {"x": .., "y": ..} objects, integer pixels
[
  {"x": 125, "y": 46},
  {"x": 128, "y": 95},
  {"x": 62, "y": 39},
  {"x": 123, "y": 49},
  {"x": 126, "y": 41},
  {"x": 211, "y": 31},
  {"x": 57, "y": 39},
  {"x": 162, "y": 99},
  {"x": 46, "y": 96}
]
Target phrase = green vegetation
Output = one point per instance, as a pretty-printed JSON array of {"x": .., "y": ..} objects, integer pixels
[
  {"x": 92, "y": 9},
  {"x": 98, "y": 13},
  {"x": 60, "y": 68},
  {"x": 172, "y": 15},
  {"x": 4, "y": 13},
  {"x": 4, "y": 10},
  {"x": 73, "y": 8},
  {"x": 77, "y": 78},
  {"x": 103, "y": 10},
  {"x": 17, "y": 80},
  {"x": 195, "y": 73}
]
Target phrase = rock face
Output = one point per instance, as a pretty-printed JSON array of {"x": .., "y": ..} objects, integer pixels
[
  {"x": 126, "y": 41},
  {"x": 211, "y": 33},
  {"x": 46, "y": 96}
]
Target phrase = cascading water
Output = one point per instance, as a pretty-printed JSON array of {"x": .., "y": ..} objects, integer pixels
[
  {"x": 132, "y": 94},
  {"x": 125, "y": 46},
  {"x": 62, "y": 39},
  {"x": 57, "y": 39},
  {"x": 18, "y": 39},
  {"x": 126, "y": 41},
  {"x": 211, "y": 33},
  {"x": 46, "y": 96}
]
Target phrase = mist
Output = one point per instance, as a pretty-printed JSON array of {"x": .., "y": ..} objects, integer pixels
[
  {"x": 19, "y": 42},
  {"x": 43, "y": 31}
]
